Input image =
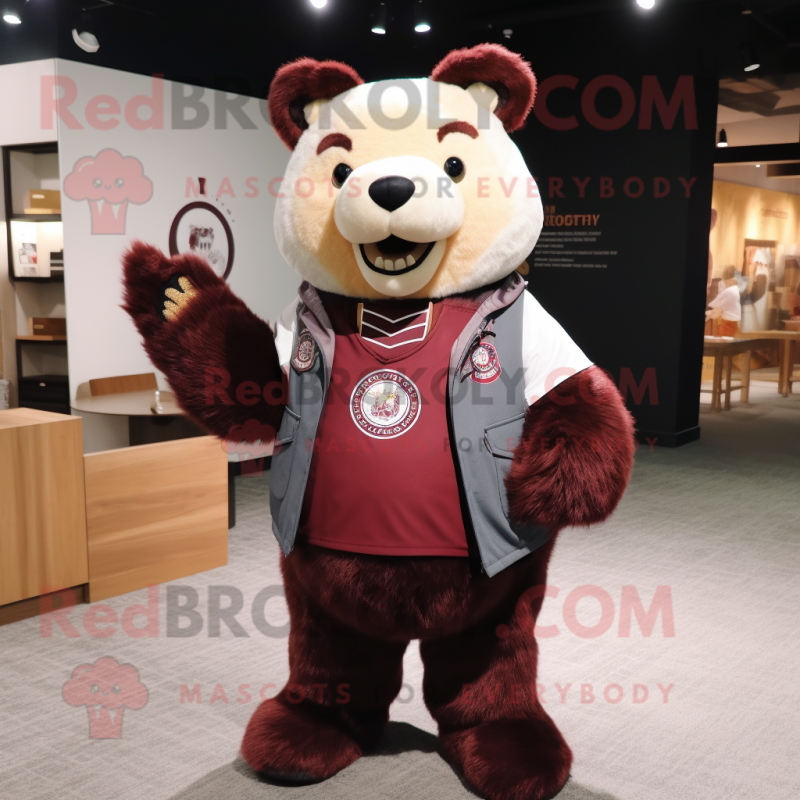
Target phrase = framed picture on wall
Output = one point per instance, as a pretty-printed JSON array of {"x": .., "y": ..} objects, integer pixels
[
  {"x": 758, "y": 272},
  {"x": 759, "y": 259},
  {"x": 202, "y": 229}
]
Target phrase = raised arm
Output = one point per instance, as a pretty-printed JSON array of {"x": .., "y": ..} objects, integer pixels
[{"x": 219, "y": 357}]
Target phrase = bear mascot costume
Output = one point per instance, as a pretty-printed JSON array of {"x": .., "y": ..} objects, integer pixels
[{"x": 434, "y": 427}]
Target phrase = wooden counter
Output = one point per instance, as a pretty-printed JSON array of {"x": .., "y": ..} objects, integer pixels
[
  {"x": 42, "y": 505},
  {"x": 156, "y": 513}
]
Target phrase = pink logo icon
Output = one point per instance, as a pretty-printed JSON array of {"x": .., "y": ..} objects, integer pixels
[
  {"x": 109, "y": 181},
  {"x": 106, "y": 688}
]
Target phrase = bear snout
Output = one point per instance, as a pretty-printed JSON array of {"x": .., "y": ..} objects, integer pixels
[
  {"x": 392, "y": 191},
  {"x": 408, "y": 196}
]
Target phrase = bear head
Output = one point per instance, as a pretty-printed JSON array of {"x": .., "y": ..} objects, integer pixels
[{"x": 406, "y": 188}]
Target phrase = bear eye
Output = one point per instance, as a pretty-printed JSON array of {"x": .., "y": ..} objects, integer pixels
[
  {"x": 97, "y": 182},
  {"x": 340, "y": 174},
  {"x": 119, "y": 183},
  {"x": 454, "y": 167}
]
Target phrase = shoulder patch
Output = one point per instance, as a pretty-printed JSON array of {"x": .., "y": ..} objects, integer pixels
[{"x": 304, "y": 352}]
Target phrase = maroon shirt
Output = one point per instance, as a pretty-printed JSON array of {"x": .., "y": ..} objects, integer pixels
[{"x": 383, "y": 479}]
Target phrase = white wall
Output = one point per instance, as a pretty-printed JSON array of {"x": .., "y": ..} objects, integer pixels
[
  {"x": 102, "y": 339},
  {"x": 20, "y": 123}
]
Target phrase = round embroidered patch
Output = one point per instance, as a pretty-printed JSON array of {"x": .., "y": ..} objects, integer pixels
[
  {"x": 485, "y": 363},
  {"x": 385, "y": 404},
  {"x": 303, "y": 358}
]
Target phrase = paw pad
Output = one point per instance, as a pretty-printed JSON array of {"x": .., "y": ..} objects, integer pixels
[{"x": 176, "y": 294}]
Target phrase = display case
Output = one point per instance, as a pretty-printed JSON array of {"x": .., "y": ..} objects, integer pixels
[
  {"x": 32, "y": 192},
  {"x": 32, "y": 195}
]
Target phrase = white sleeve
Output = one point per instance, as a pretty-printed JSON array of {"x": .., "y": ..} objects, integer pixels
[
  {"x": 718, "y": 301},
  {"x": 549, "y": 356},
  {"x": 284, "y": 332}
]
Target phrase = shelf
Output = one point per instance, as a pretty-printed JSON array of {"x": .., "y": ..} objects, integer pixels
[
  {"x": 35, "y": 217},
  {"x": 36, "y": 147},
  {"x": 41, "y": 279},
  {"x": 38, "y": 337}
]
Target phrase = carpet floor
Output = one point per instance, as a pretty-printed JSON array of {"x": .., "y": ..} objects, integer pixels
[{"x": 701, "y": 702}]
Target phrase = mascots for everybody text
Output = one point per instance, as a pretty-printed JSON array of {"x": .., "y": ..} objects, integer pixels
[{"x": 434, "y": 426}]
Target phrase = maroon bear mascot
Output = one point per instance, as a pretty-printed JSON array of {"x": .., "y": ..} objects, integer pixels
[{"x": 434, "y": 427}]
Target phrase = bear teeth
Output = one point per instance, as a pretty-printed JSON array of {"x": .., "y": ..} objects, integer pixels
[{"x": 395, "y": 263}]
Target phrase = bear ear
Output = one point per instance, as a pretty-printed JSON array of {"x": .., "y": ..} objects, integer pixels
[
  {"x": 299, "y": 83},
  {"x": 505, "y": 72}
]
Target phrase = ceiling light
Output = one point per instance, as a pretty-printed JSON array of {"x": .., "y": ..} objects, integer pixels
[
  {"x": 85, "y": 40},
  {"x": 507, "y": 32},
  {"x": 646, "y": 4},
  {"x": 319, "y": 3},
  {"x": 749, "y": 57},
  {"x": 758, "y": 166},
  {"x": 722, "y": 141},
  {"x": 421, "y": 23},
  {"x": 379, "y": 25},
  {"x": 12, "y": 11},
  {"x": 82, "y": 34}
]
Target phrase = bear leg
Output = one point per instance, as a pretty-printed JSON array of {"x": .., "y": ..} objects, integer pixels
[
  {"x": 480, "y": 686},
  {"x": 335, "y": 704}
]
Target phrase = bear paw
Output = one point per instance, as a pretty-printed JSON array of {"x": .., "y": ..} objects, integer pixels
[
  {"x": 518, "y": 759},
  {"x": 297, "y": 744},
  {"x": 176, "y": 294}
]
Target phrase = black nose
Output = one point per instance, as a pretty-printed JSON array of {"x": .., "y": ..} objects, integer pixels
[{"x": 392, "y": 191}]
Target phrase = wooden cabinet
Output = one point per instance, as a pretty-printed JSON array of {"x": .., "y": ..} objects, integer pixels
[{"x": 42, "y": 504}]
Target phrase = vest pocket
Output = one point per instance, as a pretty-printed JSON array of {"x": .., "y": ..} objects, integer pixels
[
  {"x": 500, "y": 439},
  {"x": 281, "y": 468}
]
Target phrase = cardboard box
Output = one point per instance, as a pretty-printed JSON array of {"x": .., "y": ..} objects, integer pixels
[
  {"x": 47, "y": 326},
  {"x": 43, "y": 201}
]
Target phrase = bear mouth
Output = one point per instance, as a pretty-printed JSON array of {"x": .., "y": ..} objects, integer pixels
[{"x": 395, "y": 256}]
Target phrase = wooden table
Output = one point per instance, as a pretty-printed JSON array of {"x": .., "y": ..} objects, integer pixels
[
  {"x": 722, "y": 349},
  {"x": 787, "y": 340},
  {"x": 144, "y": 426}
]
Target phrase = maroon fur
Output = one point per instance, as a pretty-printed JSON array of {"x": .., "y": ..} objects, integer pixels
[
  {"x": 506, "y": 72},
  {"x": 575, "y": 456},
  {"x": 457, "y": 127},
  {"x": 352, "y": 616},
  {"x": 335, "y": 140},
  {"x": 299, "y": 83},
  {"x": 216, "y": 340}
]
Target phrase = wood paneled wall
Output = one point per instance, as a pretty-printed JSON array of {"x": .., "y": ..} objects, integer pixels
[{"x": 748, "y": 212}]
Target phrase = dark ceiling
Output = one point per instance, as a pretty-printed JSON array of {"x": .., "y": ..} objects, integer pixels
[{"x": 239, "y": 43}]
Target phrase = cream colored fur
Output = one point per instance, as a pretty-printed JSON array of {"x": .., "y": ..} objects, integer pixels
[{"x": 487, "y": 228}]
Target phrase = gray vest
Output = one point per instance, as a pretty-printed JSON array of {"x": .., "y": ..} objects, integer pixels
[{"x": 485, "y": 425}]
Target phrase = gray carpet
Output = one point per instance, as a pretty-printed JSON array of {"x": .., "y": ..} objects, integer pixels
[
  {"x": 717, "y": 521},
  {"x": 405, "y": 766}
]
